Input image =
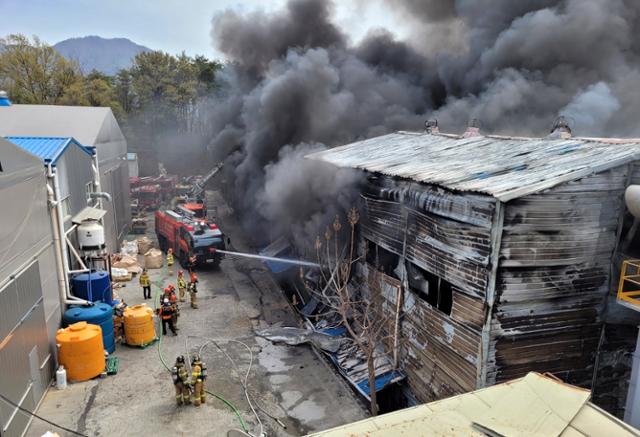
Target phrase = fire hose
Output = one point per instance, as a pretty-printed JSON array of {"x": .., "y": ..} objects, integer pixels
[
  {"x": 269, "y": 258},
  {"x": 166, "y": 366}
]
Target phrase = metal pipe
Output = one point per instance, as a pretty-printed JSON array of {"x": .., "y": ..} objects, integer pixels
[
  {"x": 100, "y": 195},
  {"x": 76, "y": 254},
  {"x": 60, "y": 238},
  {"x": 53, "y": 204},
  {"x": 96, "y": 175},
  {"x": 399, "y": 299}
]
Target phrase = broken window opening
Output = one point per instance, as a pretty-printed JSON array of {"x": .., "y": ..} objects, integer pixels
[
  {"x": 431, "y": 288},
  {"x": 383, "y": 260}
]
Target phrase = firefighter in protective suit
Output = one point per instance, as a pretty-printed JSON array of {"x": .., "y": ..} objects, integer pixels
[
  {"x": 198, "y": 377},
  {"x": 169, "y": 257},
  {"x": 182, "y": 285},
  {"x": 181, "y": 381},
  {"x": 193, "y": 290}
]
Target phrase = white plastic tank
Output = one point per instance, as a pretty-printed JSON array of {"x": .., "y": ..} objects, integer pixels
[
  {"x": 632, "y": 199},
  {"x": 90, "y": 235}
]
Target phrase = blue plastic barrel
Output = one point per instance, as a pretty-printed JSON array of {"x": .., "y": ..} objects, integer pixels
[
  {"x": 99, "y": 314},
  {"x": 94, "y": 286}
]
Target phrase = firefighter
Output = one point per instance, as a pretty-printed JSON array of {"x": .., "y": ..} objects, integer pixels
[
  {"x": 166, "y": 314},
  {"x": 181, "y": 381},
  {"x": 182, "y": 285},
  {"x": 169, "y": 257},
  {"x": 193, "y": 290},
  {"x": 198, "y": 377},
  {"x": 170, "y": 293},
  {"x": 192, "y": 263},
  {"x": 145, "y": 283}
]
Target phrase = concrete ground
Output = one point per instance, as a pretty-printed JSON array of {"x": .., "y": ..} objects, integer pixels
[{"x": 289, "y": 382}]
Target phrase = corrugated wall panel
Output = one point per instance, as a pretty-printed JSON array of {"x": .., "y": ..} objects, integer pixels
[
  {"x": 554, "y": 277},
  {"x": 28, "y": 287},
  {"x": 9, "y": 309},
  {"x": 456, "y": 252}
]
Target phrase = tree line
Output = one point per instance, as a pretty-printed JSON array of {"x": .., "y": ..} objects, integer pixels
[{"x": 158, "y": 94}]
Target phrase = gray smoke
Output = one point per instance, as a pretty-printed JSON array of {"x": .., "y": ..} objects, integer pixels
[{"x": 295, "y": 82}]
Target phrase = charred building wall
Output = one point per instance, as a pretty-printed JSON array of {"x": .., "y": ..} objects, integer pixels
[{"x": 493, "y": 290}]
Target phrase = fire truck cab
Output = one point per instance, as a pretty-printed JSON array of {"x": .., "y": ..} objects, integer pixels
[
  {"x": 148, "y": 196},
  {"x": 189, "y": 236}
]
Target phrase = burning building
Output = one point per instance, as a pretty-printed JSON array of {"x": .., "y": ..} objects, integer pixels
[{"x": 504, "y": 253}]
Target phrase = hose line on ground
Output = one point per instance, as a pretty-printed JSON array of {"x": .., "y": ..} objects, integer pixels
[
  {"x": 243, "y": 382},
  {"x": 166, "y": 366}
]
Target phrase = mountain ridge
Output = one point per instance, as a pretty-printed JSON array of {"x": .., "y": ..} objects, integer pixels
[{"x": 107, "y": 55}]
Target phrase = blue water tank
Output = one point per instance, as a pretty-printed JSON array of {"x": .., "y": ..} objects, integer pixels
[
  {"x": 94, "y": 286},
  {"x": 99, "y": 314}
]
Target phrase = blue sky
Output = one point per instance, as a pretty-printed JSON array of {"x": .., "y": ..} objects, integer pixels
[{"x": 169, "y": 25}]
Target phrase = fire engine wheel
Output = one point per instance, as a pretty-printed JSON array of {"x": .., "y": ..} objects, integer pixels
[{"x": 184, "y": 262}]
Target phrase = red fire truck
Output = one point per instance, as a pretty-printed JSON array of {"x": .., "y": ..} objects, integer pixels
[
  {"x": 148, "y": 196},
  {"x": 189, "y": 236}
]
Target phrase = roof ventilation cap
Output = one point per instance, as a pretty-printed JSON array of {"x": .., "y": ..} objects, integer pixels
[
  {"x": 431, "y": 126},
  {"x": 560, "y": 129},
  {"x": 473, "y": 130}
]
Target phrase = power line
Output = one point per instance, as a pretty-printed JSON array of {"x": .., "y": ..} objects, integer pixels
[{"x": 8, "y": 401}]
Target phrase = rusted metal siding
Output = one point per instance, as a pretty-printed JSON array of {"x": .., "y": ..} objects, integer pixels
[
  {"x": 553, "y": 278},
  {"x": 441, "y": 353},
  {"x": 448, "y": 235},
  {"x": 453, "y": 251}
]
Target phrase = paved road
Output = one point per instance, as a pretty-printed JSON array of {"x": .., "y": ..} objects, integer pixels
[{"x": 291, "y": 383}]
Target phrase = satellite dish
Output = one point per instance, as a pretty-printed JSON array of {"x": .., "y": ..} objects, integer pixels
[{"x": 632, "y": 199}]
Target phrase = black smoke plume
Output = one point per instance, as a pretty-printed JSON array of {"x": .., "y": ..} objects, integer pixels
[{"x": 295, "y": 83}]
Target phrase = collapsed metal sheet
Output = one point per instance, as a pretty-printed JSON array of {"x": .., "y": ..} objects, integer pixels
[{"x": 295, "y": 336}]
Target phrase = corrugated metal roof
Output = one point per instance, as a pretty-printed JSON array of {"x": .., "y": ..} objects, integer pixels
[
  {"x": 535, "y": 405},
  {"x": 503, "y": 167},
  {"x": 49, "y": 149}
]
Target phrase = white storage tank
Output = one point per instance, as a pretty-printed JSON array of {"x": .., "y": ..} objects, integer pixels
[{"x": 91, "y": 235}]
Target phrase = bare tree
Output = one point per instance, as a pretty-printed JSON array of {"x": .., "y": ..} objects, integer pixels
[{"x": 368, "y": 321}]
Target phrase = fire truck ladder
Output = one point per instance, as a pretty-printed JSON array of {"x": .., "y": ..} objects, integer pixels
[{"x": 198, "y": 188}]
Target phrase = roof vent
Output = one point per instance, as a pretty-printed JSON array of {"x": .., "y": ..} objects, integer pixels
[
  {"x": 431, "y": 126},
  {"x": 473, "y": 130},
  {"x": 560, "y": 129},
  {"x": 4, "y": 99}
]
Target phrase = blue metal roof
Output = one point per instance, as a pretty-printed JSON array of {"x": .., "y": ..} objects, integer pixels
[{"x": 49, "y": 149}]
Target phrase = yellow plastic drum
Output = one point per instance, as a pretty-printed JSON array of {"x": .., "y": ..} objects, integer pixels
[
  {"x": 81, "y": 351},
  {"x": 139, "y": 329}
]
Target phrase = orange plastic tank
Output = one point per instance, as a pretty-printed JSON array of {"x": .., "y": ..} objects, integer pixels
[
  {"x": 139, "y": 329},
  {"x": 81, "y": 351}
]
